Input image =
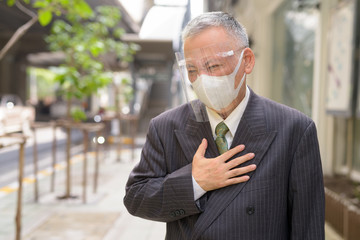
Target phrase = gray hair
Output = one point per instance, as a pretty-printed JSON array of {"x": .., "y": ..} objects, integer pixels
[{"x": 216, "y": 19}]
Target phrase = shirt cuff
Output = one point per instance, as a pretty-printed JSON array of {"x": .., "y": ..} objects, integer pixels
[{"x": 198, "y": 191}]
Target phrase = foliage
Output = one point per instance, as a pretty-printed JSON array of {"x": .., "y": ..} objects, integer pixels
[
  {"x": 78, "y": 115},
  {"x": 46, "y": 9},
  {"x": 86, "y": 44},
  {"x": 127, "y": 90},
  {"x": 45, "y": 81},
  {"x": 87, "y": 37}
]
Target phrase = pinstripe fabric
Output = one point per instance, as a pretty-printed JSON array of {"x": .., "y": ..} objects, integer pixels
[{"x": 284, "y": 198}]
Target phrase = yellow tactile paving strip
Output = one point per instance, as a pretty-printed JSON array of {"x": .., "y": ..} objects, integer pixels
[{"x": 43, "y": 173}]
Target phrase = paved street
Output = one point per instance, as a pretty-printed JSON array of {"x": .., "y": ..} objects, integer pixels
[{"x": 9, "y": 156}]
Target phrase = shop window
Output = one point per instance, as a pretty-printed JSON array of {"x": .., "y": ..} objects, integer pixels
[
  {"x": 293, "y": 57},
  {"x": 346, "y": 147},
  {"x": 340, "y": 145}
]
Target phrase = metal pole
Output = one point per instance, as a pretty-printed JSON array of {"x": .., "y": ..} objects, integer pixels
[
  {"x": 85, "y": 164},
  {"x": 19, "y": 198},
  {"x": 119, "y": 139},
  {"x": 35, "y": 154},
  {"x": 96, "y": 174},
  {"x": 68, "y": 164},
  {"x": 133, "y": 135},
  {"x": 53, "y": 158}
]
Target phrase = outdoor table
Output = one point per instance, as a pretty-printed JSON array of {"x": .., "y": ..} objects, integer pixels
[
  {"x": 7, "y": 141},
  {"x": 133, "y": 121},
  {"x": 86, "y": 128}
]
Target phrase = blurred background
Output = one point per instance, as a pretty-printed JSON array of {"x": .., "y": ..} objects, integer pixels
[{"x": 307, "y": 57}]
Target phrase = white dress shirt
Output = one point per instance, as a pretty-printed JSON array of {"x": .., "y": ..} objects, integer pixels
[{"x": 232, "y": 122}]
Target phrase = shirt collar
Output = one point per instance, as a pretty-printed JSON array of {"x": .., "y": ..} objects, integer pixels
[{"x": 233, "y": 120}]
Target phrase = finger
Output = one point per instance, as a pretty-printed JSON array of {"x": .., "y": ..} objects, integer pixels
[
  {"x": 236, "y": 180},
  {"x": 231, "y": 152},
  {"x": 240, "y": 160},
  {"x": 240, "y": 171},
  {"x": 202, "y": 148}
]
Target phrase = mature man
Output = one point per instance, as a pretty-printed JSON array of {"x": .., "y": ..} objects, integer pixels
[{"x": 242, "y": 167}]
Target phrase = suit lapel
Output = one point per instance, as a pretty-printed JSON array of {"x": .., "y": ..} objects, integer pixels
[
  {"x": 190, "y": 138},
  {"x": 253, "y": 133}
]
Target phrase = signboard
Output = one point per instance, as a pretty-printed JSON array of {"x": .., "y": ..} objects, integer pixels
[{"x": 341, "y": 60}]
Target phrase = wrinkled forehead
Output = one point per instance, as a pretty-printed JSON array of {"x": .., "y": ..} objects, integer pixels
[{"x": 210, "y": 51}]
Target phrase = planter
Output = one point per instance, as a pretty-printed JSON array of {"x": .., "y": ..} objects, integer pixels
[
  {"x": 342, "y": 210},
  {"x": 334, "y": 211},
  {"x": 353, "y": 224}
]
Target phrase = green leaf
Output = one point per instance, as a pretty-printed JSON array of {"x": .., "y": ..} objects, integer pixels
[
  {"x": 11, "y": 3},
  {"x": 40, "y": 4},
  {"x": 64, "y": 2},
  {"x": 57, "y": 13},
  {"x": 45, "y": 17},
  {"x": 83, "y": 9},
  {"x": 119, "y": 32},
  {"x": 78, "y": 115},
  {"x": 97, "y": 48}
]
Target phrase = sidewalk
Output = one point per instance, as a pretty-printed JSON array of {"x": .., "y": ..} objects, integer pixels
[{"x": 103, "y": 217}]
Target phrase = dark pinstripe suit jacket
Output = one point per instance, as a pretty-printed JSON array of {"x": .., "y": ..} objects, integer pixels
[{"x": 284, "y": 198}]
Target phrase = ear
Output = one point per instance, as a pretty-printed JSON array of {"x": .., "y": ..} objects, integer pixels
[{"x": 249, "y": 58}]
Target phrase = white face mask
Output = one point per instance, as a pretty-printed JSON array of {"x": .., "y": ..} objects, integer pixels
[{"x": 217, "y": 92}]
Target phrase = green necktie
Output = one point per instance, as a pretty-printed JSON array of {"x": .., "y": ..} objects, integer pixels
[{"x": 221, "y": 143}]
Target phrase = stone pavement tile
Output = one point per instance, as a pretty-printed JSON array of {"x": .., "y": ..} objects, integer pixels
[
  {"x": 330, "y": 233},
  {"x": 75, "y": 225},
  {"x": 128, "y": 227}
]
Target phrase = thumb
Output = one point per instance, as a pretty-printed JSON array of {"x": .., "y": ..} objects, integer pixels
[{"x": 202, "y": 148}]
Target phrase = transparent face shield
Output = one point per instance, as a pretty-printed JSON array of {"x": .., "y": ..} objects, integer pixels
[{"x": 211, "y": 75}]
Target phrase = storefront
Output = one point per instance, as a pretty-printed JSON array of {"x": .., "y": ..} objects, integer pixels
[
  {"x": 300, "y": 46},
  {"x": 307, "y": 57}
]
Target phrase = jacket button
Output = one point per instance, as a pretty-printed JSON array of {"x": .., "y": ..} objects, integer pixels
[
  {"x": 177, "y": 213},
  {"x": 182, "y": 212},
  {"x": 250, "y": 210}
]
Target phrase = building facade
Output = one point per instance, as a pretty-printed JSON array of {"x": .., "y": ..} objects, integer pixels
[
  {"x": 295, "y": 44},
  {"x": 307, "y": 57}
]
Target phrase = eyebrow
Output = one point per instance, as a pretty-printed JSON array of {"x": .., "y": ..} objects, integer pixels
[
  {"x": 189, "y": 65},
  {"x": 212, "y": 61}
]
